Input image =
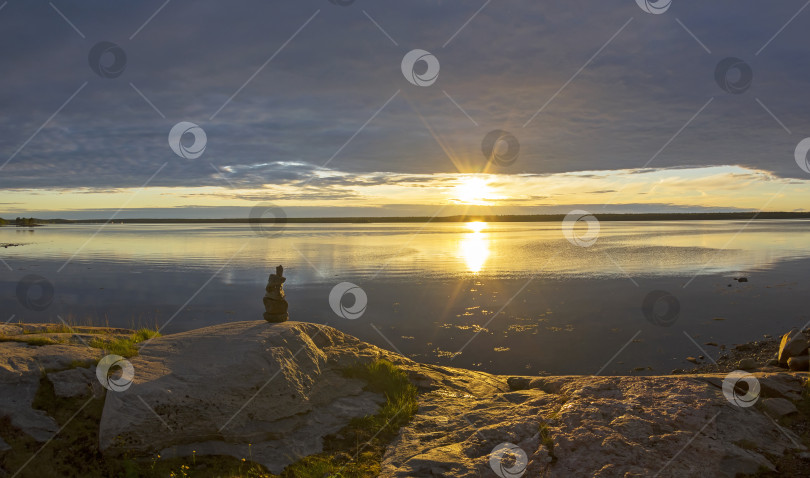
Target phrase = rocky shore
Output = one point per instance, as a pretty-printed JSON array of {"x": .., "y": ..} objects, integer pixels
[{"x": 273, "y": 393}]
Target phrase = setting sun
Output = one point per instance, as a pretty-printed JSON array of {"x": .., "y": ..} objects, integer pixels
[{"x": 473, "y": 191}]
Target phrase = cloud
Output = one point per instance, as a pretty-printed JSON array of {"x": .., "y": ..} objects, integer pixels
[{"x": 633, "y": 107}]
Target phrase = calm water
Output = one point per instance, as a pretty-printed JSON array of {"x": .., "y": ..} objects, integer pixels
[{"x": 520, "y": 295}]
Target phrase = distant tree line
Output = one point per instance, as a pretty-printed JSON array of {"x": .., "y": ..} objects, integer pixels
[{"x": 21, "y": 221}]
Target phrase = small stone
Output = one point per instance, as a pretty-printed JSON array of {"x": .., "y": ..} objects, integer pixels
[
  {"x": 518, "y": 383},
  {"x": 793, "y": 344},
  {"x": 75, "y": 382},
  {"x": 799, "y": 364},
  {"x": 692, "y": 359},
  {"x": 747, "y": 364},
  {"x": 779, "y": 407},
  {"x": 742, "y": 279}
]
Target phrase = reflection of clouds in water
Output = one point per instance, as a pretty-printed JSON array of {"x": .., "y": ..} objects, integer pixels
[{"x": 317, "y": 253}]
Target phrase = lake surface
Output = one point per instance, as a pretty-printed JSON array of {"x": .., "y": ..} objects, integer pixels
[{"x": 502, "y": 297}]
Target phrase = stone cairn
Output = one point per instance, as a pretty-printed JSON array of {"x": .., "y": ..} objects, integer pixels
[{"x": 275, "y": 306}]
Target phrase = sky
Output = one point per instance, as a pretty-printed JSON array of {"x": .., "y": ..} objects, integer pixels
[{"x": 305, "y": 105}]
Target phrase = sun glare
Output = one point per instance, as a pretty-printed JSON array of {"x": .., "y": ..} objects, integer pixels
[
  {"x": 473, "y": 191},
  {"x": 476, "y": 226}
]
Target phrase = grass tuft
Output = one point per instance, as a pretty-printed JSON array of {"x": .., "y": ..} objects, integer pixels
[{"x": 124, "y": 346}]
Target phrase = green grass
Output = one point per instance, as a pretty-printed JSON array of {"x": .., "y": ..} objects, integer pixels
[
  {"x": 124, "y": 346},
  {"x": 357, "y": 449},
  {"x": 547, "y": 440},
  {"x": 36, "y": 341}
]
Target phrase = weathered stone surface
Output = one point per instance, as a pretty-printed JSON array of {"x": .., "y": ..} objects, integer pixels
[
  {"x": 21, "y": 366},
  {"x": 278, "y": 387},
  {"x": 782, "y": 385},
  {"x": 599, "y": 426},
  {"x": 778, "y": 407},
  {"x": 75, "y": 382},
  {"x": 793, "y": 344}
]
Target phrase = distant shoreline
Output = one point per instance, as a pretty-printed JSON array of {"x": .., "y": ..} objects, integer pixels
[{"x": 460, "y": 218}]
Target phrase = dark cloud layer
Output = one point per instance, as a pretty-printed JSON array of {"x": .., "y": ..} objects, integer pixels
[{"x": 317, "y": 92}]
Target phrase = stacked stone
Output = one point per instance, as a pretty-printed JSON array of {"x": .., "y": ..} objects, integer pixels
[{"x": 275, "y": 306}]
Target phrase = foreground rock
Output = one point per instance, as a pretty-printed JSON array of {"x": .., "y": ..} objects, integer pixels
[
  {"x": 21, "y": 367},
  {"x": 277, "y": 387},
  {"x": 273, "y": 391},
  {"x": 593, "y": 426}
]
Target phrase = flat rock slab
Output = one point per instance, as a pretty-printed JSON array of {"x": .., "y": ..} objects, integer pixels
[
  {"x": 21, "y": 367},
  {"x": 592, "y": 426},
  {"x": 278, "y": 387}
]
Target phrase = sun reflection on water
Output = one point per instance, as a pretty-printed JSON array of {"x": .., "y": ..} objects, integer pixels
[{"x": 474, "y": 246}]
